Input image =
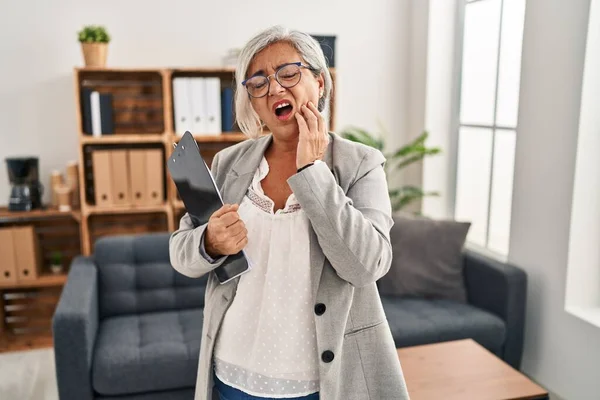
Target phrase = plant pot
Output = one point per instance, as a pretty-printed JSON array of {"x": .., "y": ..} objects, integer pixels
[
  {"x": 56, "y": 269},
  {"x": 94, "y": 54}
]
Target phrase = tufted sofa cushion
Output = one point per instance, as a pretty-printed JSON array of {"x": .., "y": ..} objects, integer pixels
[
  {"x": 147, "y": 352},
  {"x": 135, "y": 276},
  {"x": 416, "y": 321}
]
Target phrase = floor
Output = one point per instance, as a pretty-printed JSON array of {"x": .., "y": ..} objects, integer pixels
[{"x": 28, "y": 375}]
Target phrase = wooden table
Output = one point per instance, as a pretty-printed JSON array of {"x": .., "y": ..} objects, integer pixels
[{"x": 463, "y": 370}]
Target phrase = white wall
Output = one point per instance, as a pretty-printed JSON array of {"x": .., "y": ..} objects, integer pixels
[
  {"x": 441, "y": 107},
  {"x": 583, "y": 274},
  {"x": 416, "y": 91},
  {"x": 561, "y": 351},
  {"x": 38, "y": 51}
]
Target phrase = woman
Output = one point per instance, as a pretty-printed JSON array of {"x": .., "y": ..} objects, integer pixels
[{"x": 312, "y": 213}]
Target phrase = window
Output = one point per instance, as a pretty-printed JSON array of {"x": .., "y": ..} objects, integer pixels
[{"x": 489, "y": 102}]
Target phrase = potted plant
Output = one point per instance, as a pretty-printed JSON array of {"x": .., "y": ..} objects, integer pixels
[
  {"x": 406, "y": 155},
  {"x": 94, "y": 43},
  {"x": 56, "y": 262}
]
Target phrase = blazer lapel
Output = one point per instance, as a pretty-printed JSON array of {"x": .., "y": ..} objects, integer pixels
[{"x": 238, "y": 180}]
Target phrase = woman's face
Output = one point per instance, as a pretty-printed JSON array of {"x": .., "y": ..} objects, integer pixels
[{"x": 280, "y": 120}]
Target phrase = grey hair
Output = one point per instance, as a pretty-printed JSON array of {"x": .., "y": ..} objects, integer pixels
[{"x": 308, "y": 48}]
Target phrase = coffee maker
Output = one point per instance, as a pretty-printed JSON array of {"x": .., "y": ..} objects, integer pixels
[{"x": 26, "y": 191}]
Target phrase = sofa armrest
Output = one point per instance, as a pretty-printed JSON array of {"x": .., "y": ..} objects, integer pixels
[
  {"x": 501, "y": 289},
  {"x": 74, "y": 325}
]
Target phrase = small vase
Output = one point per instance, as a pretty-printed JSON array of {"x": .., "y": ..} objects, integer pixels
[
  {"x": 94, "y": 54},
  {"x": 56, "y": 269}
]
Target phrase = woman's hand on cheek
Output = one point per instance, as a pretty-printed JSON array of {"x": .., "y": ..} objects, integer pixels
[{"x": 313, "y": 135}]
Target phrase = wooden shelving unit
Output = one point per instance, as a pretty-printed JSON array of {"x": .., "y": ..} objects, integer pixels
[
  {"x": 26, "y": 307},
  {"x": 23, "y": 216},
  {"x": 45, "y": 280},
  {"x": 230, "y": 137},
  {"x": 12, "y": 342},
  {"x": 123, "y": 139},
  {"x": 142, "y": 98},
  {"x": 93, "y": 210},
  {"x": 143, "y": 117}
]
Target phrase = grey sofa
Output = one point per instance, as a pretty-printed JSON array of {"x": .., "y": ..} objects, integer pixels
[
  {"x": 494, "y": 315},
  {"x": 128, "y": 326}
]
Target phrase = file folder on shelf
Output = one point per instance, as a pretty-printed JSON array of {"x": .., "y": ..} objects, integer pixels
[
  {"x": 182, "y": 105},
  {"x": 121, "y": 189},
  {"x": 213, "y": 105},
  {"x": 198, "y": 106}
]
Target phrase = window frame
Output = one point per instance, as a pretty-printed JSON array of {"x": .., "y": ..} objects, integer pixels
[{"x": 457, "y": 124}]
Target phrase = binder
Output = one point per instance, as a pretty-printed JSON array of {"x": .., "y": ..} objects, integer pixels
[
  {"x": 86, "y": 110},
  {"x": 213, "y": 105},
  {"x": 137, "y": 176},
  {"x": 201, "y": 198},
  {"x": 182, "y": 105},
  {"x": 27, "y": 253},
  {"x": 227, "y": 120},
  {"x": 95, "y": 106},
  {"x": 198, "y": 106},
  {"x": 103, "y": 190},
  {"x": 8, "y": 266},
  {"x": 107, "y": 125},
  {"x": 154, "y": 177},
  {"x": 121, "y": 193}
]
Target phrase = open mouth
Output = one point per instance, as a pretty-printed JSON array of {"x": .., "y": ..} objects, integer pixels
[{"x": 283, "y": 110}]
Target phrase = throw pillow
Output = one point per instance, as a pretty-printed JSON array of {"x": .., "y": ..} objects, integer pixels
[{"x": 427, "y": 259}]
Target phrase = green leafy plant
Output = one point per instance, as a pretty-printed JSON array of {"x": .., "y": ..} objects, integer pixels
[
  {"x": 406, "y": 155},
  {"x": 93, "y": 34},
  {"x": 56, "y": 258}
]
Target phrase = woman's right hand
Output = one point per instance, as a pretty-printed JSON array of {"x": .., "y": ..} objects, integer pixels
[{"x": 226, "y": 233}]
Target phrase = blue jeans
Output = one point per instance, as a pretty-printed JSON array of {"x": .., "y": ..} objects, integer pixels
[{"x": 227, "y": 392}]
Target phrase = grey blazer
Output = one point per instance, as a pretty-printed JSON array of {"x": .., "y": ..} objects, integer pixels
[{"x": 346, "y": 201}]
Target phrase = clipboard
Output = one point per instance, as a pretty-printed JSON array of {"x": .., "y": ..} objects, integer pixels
[{"x": 201, "y": 197}]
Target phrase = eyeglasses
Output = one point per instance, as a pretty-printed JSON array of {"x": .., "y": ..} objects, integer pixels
[{"x": 288, "y": 76}]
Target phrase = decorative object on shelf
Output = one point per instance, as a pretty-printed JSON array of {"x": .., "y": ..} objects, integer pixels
[
  {"x": 56, "y": 262},
  {"x": 94, "y": 43},
  {"x": 72, "y": 179},
  {"x": 26, "y": 192},
  {"x": 406, "y": 155},
  {"x": 64, "y": 197},
  {"x": 65, "y": 192},
  {"x": 56, "y": 179}
]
